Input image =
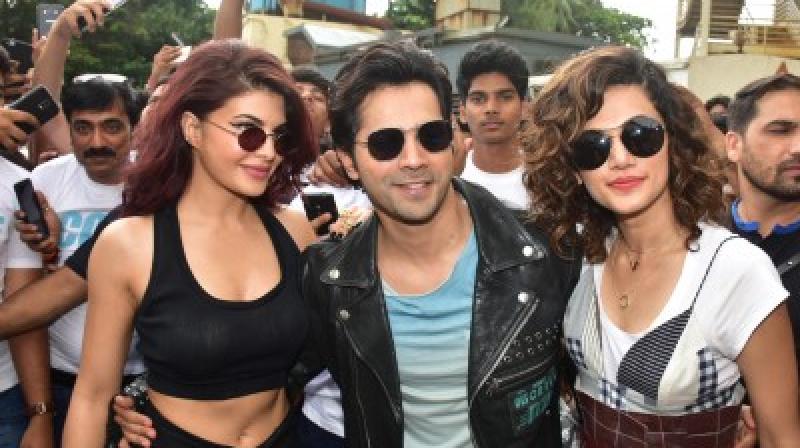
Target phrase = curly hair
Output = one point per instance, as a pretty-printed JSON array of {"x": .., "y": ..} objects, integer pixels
[{"x": 572, "y": 97}]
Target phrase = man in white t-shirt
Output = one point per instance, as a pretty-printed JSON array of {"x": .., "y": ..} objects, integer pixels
[
  {"x": 18, "y": 267},
  {"x": 492, "y": 85}
]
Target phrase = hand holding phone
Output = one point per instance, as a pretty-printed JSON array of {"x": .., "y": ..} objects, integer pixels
[
  {"x": 19, "y": 51},
  {"x": 318, "y": 203},
  {"x": 11, "y": 133},
  {"x": 39, "y": 103},
  {"x": 29, "y": 204}
]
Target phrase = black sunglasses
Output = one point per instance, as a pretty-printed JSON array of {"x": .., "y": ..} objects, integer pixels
[
  {"x": 253, "y": 137},
  {"x": 642, "y": 136},
  {"x": 386, "y": 144}
]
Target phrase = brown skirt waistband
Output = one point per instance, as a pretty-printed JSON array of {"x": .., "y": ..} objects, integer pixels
[{"x": 603, "y": 426}]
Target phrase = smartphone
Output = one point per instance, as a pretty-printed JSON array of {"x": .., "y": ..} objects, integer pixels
[
  {"x": 177, "y": 39},
  {"x": 21, "y": 52},
  {"x": 37, "y": 102},
  {"x": 46, "y": 15},
  {"x": 317, "y": 204},
  {"x": 29, "y": 203},
  {"x": 114, "y": 4}
]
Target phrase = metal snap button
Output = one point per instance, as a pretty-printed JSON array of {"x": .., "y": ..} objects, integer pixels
[
  {"x": 344, "y": 314},
  {"x": 527, "y": 251},
  {"x": 523, "y": 297},
  {"x": 333, "y": 273}
]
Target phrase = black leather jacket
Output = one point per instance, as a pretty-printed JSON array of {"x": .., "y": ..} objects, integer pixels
[{"x": 521, "y": 292}]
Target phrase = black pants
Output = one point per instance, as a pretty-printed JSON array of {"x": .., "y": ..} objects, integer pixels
[{"x": 169, "y": 435}]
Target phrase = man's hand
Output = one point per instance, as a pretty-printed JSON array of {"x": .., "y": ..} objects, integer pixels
[
  {"x": 39, "y": 433},
  {"x": 11, "y": 136},
  {"x": 136, "y": 428},
  {"x": 328, "y": 169},
  {"x": 17, "y": 84},
  {"x": 92, "y": 12},
  {"x": 48, "y": 247},
  {"x": 163, "y": 61}
]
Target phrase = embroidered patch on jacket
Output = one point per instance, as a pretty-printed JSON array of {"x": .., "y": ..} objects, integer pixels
[{"x": 528, "y": 402}]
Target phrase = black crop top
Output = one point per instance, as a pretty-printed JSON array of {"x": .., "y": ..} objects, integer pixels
[{"x": 199, "y": 347}]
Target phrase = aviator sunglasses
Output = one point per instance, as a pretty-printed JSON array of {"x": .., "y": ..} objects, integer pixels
[
  {"x": 386, "y": 144},
  {"x": 642, "y": 136},
  {"x": 253, "y": 137}
]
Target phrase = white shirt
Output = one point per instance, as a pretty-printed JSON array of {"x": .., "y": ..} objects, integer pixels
[
  {"x": 741, "y": 289},
  {"x": 13, "y": 253},
  {"x": 81, "y": 204},
  {"x": 507, "y": 187},
  {"x": 323, "y": 402}
]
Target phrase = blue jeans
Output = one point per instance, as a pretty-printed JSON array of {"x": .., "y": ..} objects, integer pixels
[
  {"x": 61, "y": 396},
  {"x": 13, "y": 420}
]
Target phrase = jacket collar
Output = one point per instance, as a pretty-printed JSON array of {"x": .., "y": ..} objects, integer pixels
[{"x": 502, "y": 242}]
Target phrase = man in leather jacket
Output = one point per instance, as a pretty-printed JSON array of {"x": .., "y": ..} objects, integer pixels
[{"x": 439, "y": 317}]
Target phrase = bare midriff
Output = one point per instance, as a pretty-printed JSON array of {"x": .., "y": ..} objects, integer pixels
[{"x": 243, "y": 422}]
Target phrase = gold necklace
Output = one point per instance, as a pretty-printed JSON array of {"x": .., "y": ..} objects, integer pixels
[{"x": 634, "y": 261}]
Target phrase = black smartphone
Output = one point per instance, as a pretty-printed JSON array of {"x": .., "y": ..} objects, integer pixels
[
  {"x": 114, "y": 5},
  {"x": 37, "y": 102},
  {"x": 317, "y": 204},
  {"x": 29, "y": 203},
  {"x": 46, "y": 15},
  {"x": 19, "y": 51}
]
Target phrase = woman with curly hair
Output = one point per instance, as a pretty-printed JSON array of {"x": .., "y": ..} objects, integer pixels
[{"x": 671, "y": 309}]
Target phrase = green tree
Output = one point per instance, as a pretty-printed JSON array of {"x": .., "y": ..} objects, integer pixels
[
  {"x": 411, "y": 14},
  {"x": 587, "y": 18},
  {"x": 133, "y": 33}
]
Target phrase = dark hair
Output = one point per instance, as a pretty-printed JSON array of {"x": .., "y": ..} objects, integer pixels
[
  {"x": 311, "y": 76},
  {"x": 718, "y": 100},
  {"x": 5, "y": 62},
  {"x": 492, "y": 56},
  {"x": 98, "y": 94},
  {"x": 573, "y": 95},
  {"x": 744, "y": 106},
  {"x": 395, "y": 63},
  {"x": 214, "y": 72}
]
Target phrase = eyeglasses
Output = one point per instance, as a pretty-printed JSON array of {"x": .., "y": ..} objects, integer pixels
[
  {"x": 253, "y": 137},
  {"x": 386, "y": 144},
  {"x": 642, "y": 136}
]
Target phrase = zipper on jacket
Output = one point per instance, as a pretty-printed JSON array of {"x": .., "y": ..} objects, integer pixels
[
  {"x": 361, "y": 410},
  {"x": 528, "y": 313},
  {"x": 496, "y": 384},
  {"x": 395, "y": 412}
]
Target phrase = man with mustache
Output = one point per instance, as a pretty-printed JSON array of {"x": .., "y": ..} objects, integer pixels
[
  {"x": 81, "y": 187},
  {"x": 764, "y": 142}
]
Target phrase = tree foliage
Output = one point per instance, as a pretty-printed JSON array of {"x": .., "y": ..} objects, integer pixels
[
  {"x": 132, "y": 34},
  {"x": 587, "y": 18},
  {"x": 411, "y": 14}
]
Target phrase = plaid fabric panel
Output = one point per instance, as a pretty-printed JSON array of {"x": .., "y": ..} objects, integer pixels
[
  {"x": 576, "y": 353},
  {"x": 709, "y": 395}
]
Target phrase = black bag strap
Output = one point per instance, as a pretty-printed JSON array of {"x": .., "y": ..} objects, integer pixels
[{"x": 789, "y": 264}]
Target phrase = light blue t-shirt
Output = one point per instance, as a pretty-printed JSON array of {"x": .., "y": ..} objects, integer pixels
[{"x": 431, "y": 339}]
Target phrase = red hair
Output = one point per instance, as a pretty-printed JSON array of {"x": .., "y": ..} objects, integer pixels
[{"x": 215, "y": 72}]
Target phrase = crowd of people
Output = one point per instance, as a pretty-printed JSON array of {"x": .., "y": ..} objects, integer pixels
[{"x": 611, "y": 263}]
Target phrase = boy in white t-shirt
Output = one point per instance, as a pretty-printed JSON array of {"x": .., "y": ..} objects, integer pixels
[{"x": 492, "y": 86}]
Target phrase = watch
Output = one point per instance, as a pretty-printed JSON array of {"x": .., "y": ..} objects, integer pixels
[{"x": 41, "y": 408}]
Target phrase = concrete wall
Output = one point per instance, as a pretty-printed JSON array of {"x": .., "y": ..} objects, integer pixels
[
  {"x": 267, "y": 32},
  {"x": 727, "y": 73}
]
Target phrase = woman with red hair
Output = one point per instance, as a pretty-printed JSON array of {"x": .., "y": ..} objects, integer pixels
[{"x": 203, "y": 263}]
